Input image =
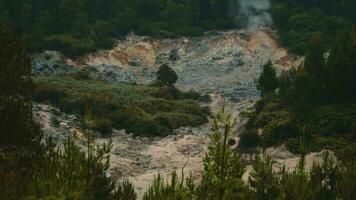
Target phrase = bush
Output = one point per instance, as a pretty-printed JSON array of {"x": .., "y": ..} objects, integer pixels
[
  {"x": 191, "y": 94},
  {"x": 249, "y": 139},
  {"x": 166, "y": 75},
  {"x": 137, "y": 108}
]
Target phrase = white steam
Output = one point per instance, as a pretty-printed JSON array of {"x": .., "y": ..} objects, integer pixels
[{"x": 254, "y": 14}]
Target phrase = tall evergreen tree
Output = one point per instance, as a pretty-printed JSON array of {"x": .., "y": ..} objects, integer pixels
[
  {"x": 263, "y": 179},
  {"x": 314, "y": 59},
  {"x": 223, "y": 168},
  {"x": 314, "y": 67},
  {"x": 268, "y": 82},
  {"x": 20, "y": 136},
  {"x": 341, "y": 67}
]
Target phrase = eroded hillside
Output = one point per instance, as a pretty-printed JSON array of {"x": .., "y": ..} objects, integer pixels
[{"x": 224, "y": 65}]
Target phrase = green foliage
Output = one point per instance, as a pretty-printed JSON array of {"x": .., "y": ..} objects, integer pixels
[
  {"x": 263, "y": 179},
  {"x": 223, "y": 168},
  {"x": 341, "y": 68},
  {"x": 173, "y": 190},
  {"x": 323, "y": 178},
  {"x": 298, "y": 21},
  {"x": 319, "y": 94},
  {"x": 249, "y": 140},
  {"x": 346, "y": 185},
  {"x": 79, "y": 26},
  {"x": 277, "y": 123},
  {"x": 72, "y": 173},
  {"x": 137, "y": 108},
  {"x": 20, "y": 135},
  {"x": 268, "y": 82},
  {"x": 166, "y": 75},
  {"x": 126, "y": 191},
  {"x": 191, "y": 94}
]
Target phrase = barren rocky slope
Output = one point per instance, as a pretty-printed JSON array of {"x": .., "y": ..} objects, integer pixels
[{"x": 222, "y": 64}]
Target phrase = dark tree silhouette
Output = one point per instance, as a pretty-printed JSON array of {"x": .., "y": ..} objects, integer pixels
[
  {"x": 20, "y": 136},
  {"x": 268, "y": 81},
  {"x": 166, "y": 75}
]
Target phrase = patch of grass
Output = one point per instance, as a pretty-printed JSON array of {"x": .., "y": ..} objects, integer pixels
[{"x": 140, "y": 109}]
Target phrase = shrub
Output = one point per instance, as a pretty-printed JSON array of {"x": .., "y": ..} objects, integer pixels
[
  {"x": 191, "y": 94},
  {"x": 122, "y": 106},
  {"x": 166, "y": 75},
  {"x": 249, "y": 139}
]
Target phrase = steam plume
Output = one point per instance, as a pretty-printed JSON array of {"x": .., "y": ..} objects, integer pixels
[{"x": 253, "y": 14}]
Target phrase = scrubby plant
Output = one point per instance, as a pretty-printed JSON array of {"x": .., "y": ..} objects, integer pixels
[
  {"x": 125, "y": 191},
  {"x": 249, "y": 139},
  {"x": 174, "y": 190},
  {"x": 142, "y": 110},
  {"x": 166, "y": 75}
]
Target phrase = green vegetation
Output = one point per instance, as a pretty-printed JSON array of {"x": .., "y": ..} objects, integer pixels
[
  {"x": 223, "y": 169},
  {"x": 20, "y": 136},
  {"x": 166, "y": 75},
  {"x": 317, "y": 99},
  {"x": 268, "y": 81},
  {"x": 75, "y": 27},
  {"x": 298, "y": 21},
  {"x": 140, "y": 109},
  {"x": 73, "y": 173}
]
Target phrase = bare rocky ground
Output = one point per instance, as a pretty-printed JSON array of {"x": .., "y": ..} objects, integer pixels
[{"x": 225, "y": 65}]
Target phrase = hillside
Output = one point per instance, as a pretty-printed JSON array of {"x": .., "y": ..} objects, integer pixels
[{"x": 177, "y": 99}]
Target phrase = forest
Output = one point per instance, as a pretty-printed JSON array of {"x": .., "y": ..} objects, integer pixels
[
  {"x": 79, "y": 26},
  {"x": 75, "y": 27},
  {"x": 317, "y": 99},
  {"x": 298, "y": 20}
]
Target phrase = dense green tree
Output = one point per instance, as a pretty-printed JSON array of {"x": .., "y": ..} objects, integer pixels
[
  {"x": 249, "y": 139},
  {"x": 314, "y": 59},
  {"x": 295, "y": 185},
  {"x": 341, "y": 68},
  {"x": 20, "y": 136},
  {"x": 175, "y": 189},
  {"x": 166, "y": 75},
  {"x": 263, "y": 180},
  {"x": 346, "y": 175},
  {"x": 268, "y": 82},
  {"x": 223, "y": 168},
  {"x": 314, "y": 67},
  {"x": 323, "y": 177}
]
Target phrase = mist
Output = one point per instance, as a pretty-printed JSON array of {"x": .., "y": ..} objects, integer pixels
[{"x": 253, "y": 14}]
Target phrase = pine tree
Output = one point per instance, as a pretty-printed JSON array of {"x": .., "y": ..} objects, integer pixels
[
  {"x": 223, "y": 168},
  {"x": 314, "y": 59},
  {"x": 323, "y": 177},
  {"x": 76, "y": 172},
  {"x": 296, "y": 185},
  {"x": 314, "y": 67},
  {"x": 341, "y": 68},
  {"x": 263, "y": 180},
  {"x": 268, "y": 82},
  {"x": 20, "y": 136},
  {"x": 173, "y": 190},
  {"x": 346, "y": 176}
]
